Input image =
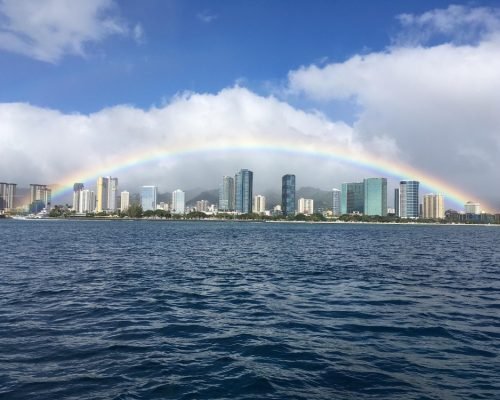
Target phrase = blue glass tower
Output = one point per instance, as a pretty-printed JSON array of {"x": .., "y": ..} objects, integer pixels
[
  {"x": 352, "y": 198},
  {"x": 288, "y": 195},
  {"x": 375, "y": 196},
  {"x": 243, "y": 191}
]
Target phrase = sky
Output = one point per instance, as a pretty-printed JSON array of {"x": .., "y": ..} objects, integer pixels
[{"x": 217, "y": 86}]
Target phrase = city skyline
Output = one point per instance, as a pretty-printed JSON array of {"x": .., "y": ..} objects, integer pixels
[{"x": 343, "y": 101}]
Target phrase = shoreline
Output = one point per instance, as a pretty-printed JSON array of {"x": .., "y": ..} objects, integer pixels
[{"x": 110, "y": 219}]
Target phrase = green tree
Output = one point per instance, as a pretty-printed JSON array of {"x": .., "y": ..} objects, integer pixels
[{"x": 135, "y": 210}]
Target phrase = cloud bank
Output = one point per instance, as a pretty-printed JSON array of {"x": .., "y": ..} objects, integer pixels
[
  {"x": 46, "y": 145},
  {"x": 438, "y": 104}
]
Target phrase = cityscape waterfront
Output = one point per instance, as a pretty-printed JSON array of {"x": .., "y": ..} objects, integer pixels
[{"x": 368, "y": 198}]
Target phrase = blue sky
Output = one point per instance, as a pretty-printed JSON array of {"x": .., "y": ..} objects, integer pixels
[
  {"x": 203, "y": 47},
  {"x": 88, "y": 83}
]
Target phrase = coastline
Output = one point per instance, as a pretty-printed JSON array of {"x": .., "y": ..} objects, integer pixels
[{"x": 236, "y": 220}]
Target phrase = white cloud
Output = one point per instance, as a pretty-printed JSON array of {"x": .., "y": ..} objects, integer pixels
[
  {"x": 206, "y": 17},
  {"x": 47, "y": 30},
  {"x": 461, "y": 24},
  {"x": 48, "y": 145},
  {"x": 437, "y": 104},
  {"x": 138, "y": 33}
]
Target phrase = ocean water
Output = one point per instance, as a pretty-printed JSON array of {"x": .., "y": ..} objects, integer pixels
[{"x": 214, "y": 310}]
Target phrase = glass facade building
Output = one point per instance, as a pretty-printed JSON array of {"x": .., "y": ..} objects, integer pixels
[
  {"x": 243, "y": 193},
  {"x": 352, "y": 198},
  {"x": 148, "y": 198},
  {"x": 288, "y": 195},
  {"x": 336, "y": 202},
  {"x": 408, "y": 199},
  {"x": 375, "y": 191},
  {"x": 178, "y": 202},
  {"x": 226, "y": 194}
]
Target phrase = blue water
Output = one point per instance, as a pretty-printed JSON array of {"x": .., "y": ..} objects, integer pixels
[{"x": 213, "y": 310}]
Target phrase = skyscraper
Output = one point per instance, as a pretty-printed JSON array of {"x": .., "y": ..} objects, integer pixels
[
  {"x": 202, "y": 206},
  {"x": 124, "y": 201},
  {"x": 77, "y": 194},
  {"x": 336, "y": 202},
  {"x": 243, "y": 184},
  {"x": 259, "y": 204},
  {"x": 375, "y": 199},
  {"x": 7, "y": 195},
  {"x": 226, "y": 194},
  {"x": 306, "y": 206},
  {"x": 113, "y": 194},
  {"x": 87, "y": 201},
  {"x": 433, "y": 206},
  {"x": 352, "y": 198},
  {"x": 178, "y": 202},
  {"x": 102, "y": 194},
  {"x": 41, "y": 194},
  {"x": 288, "y": 195},
  {"x": 396, "y": 202},
  {"x": 107, "y": 188},
  {"x": 148, "y": 198},
  {"x": 408, "y": 199}
]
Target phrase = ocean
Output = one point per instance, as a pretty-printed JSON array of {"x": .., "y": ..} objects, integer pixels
[{"x": 245, "y": 310}]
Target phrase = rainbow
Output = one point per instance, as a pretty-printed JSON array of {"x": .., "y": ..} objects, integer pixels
[{"x": 360, "y": 159}]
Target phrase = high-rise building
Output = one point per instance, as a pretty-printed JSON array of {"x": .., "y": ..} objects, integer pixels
[
  {"x": 7, "y": 195},
  {"x": 77, "y": 194},
  {"x": 41, "y": 194},
  {"x": 107, "y": 189},
  {"x": 243, "y": 185},
  {"x": 306, "y": 206},
  {"x": 124, "y": 201},
  {"x": 352, "y": 198},
  {"x": 226, "y": 194},
  {"x": 472, "y": 207},
  {"x": 113, "y": 194},
  {"x": 202, "y": 206},
  {"x": 396, "y": 202},
  {"x": 87, "y": 201},
  {"x": 433, "y": 206},
  {"x": 336, "y": 202},
  {"x": 408, "y": 199},
  {"x": 102, "y": 194},
  {"x": 375, "y": 191},
  {"x": 259, "y": 204},
  {"x": 148, "y": 198},
  {"x": 178, "y": 202},
  {"x": 288, "y": 195}
]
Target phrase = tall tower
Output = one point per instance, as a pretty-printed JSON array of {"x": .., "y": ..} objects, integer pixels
[
  {"x": 396, "y": 202},
  {"x": 178, "y": 202},
  {"x": 352, "y": 198},
  {"x": 102, "y": 193},
  {"x": 7, "y": 195},
  {"x": 148, "y": 198},
  {"x": 336, "y": 202},
  {"x": 77, "y": 196},
  {"x": 226, "y": 194},
  {"x": 375, "y": 202},
  {"x": 288, "y": 195},
  {"x": 40, "y": 193},
  {"x": 259, "y": 204},
  {"x": 433, "y": 206},
  {"x": 113, "y": 192},
  {"x": 243, "y": 184},
  {"x": 124, "y": 201},
  {"x": 408, "y": 199}
]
